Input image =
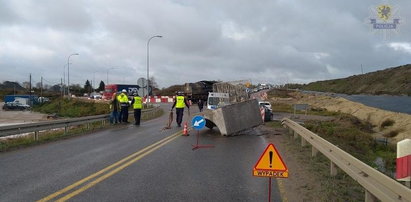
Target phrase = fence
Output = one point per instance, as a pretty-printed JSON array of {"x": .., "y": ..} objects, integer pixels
[{"x": 376, "y": 184}]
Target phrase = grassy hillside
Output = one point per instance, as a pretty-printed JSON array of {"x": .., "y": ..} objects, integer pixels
[
  {"x": 72, "y": 108},
  {"x": 392, "y": 81}
]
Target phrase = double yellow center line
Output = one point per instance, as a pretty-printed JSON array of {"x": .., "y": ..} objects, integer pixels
[{"x": 105, "y": 173}]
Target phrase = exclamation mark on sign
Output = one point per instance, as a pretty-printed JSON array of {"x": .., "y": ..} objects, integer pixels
[{"x": 271, "y": 158}]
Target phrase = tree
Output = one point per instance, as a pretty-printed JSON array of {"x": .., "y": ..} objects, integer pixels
[
  {"x": 55, "y": 88},
  {"x": 77, "y": 89},
  {"x": 46, "y": 86},
  {"x": 153, "y": 83},
  {"x": 26, "y": 84},
  {"x": 87, "y": 87},
  {"x": 38, "y": 85},
  {"x": 101, "y": 86},
  {"x": 10, "y": 85}
]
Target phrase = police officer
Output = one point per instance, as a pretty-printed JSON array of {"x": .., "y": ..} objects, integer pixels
[
  {"x": 180, "y": 102},
  {"x": 137, "y": 105},
  {"x": 123, "y": 99}
]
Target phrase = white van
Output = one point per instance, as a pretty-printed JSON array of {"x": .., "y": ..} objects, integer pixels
[{"x": 217, "y": 100}]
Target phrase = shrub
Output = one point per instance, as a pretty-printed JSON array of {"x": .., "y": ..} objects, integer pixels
[
  {"x": 73, "y": 108},
  {"x": 392, "y": 133},
  {"x": 387, "y": 123}
]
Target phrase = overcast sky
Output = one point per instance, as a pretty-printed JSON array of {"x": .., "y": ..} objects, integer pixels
[{"x": 274, "y": 41}]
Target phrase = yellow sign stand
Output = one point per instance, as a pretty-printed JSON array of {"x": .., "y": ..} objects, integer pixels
[{"x": 270, "y": 164}]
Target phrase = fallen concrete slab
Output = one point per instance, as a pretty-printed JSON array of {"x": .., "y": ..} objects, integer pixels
[{"x": 234, "y": 118}]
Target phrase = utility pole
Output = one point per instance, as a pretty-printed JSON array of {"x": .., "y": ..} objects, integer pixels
[
  {"x": 362, "y": 71},
  {"x": 41, "y": 87},
  {"x": 30, "y": 91},
  {"x": 64, "y": 80},
  {"x": 61, "y": 88}
]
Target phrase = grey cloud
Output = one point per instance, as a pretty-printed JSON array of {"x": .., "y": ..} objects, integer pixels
[{"x": 274, "y": 41}]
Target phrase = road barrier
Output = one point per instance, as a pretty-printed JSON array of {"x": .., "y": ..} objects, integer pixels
[
  {"x": 65, "y": 123},
  {"x": 376, "y": 184}
]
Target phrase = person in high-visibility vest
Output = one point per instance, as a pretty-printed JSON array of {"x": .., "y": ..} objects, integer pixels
[
  {"x": 137, "y": 105},
  {"x": 123, "y": 99},
  {"x": 180, "y": 103}
]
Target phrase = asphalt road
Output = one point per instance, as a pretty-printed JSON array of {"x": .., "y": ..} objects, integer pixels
[{"x": 137, "y": 164}]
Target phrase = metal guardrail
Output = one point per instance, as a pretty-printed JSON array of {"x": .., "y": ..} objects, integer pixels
[
  {"x": 64, "y": 123},
  {"x": 376, "y": 184}
]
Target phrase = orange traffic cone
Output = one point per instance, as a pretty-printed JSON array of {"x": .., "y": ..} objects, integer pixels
[{"x": 185, "y": 130}]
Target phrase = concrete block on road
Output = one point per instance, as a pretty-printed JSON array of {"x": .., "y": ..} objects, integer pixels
[{"x": 235, "y": 118}]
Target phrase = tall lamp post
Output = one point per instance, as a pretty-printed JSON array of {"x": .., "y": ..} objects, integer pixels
[
  {"x": 64, "y": 80},
  {"x": 68, "y": 73},
  {"x": 148, "y": 64}
]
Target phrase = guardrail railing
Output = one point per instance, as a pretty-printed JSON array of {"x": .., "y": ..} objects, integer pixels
[
  {"x": 63, "y": 123},
  {"x": 376, "y": 184}
]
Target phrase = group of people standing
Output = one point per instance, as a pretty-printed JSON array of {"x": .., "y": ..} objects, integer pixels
[
  {"x": 121, "y": 102},
  {"x": 119, "y": 107}
]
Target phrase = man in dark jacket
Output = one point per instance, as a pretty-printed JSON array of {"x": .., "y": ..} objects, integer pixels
[
  {"x": 200, "y": 104},
  {"x": 114, "y": 110}
]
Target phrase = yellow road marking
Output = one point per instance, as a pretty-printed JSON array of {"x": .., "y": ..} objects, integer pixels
[{"x": 137, "y": 156}]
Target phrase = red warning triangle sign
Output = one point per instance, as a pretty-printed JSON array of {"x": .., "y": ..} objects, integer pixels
[{"x": 270, "y": 164}]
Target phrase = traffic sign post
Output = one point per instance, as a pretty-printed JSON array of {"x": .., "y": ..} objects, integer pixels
[
  {"x": 270, "y": 164},
  {"x": 198, "y": 122}
]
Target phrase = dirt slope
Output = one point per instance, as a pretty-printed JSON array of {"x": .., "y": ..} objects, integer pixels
[{"x": 402, "y": 122}]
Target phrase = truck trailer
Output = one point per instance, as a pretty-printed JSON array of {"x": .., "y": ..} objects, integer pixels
[
  {"x": 110, "y": 89},
  {"x": 24, "y": 99},
  {"x": 198, "y": 90}
]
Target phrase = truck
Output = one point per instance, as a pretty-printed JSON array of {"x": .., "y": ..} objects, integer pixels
[
  {"x": 110, "y": 89},
  {"x": 23, "y": 99},
  {"x": 198, "y": 90},
  {"x": 19, "y": 102}
]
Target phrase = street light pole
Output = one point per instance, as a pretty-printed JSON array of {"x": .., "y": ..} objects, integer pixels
[
  {"x": 68, "y": 73},
  {"x": 148, "y": 65},
  {"x": 64, "y": 80}
]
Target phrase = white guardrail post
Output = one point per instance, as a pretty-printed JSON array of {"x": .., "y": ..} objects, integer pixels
[{"x": 377, "y": 185}]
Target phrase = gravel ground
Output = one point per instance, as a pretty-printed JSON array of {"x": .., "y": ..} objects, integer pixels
[{"x": 16, "y": 117}]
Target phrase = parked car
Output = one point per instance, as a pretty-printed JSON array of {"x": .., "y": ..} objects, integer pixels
[
  {"x": 267, "y": 110},
  {"x": 96, "y": 96},
  {"x": 268, "y": 114},
  {"x": 15, "y": 106},
  {"x": 43, "y": 99},
  {"x": 266, "y": 104}
]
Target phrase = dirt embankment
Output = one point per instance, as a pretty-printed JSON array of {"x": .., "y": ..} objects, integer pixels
[{"x": 401, "y": 122}]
